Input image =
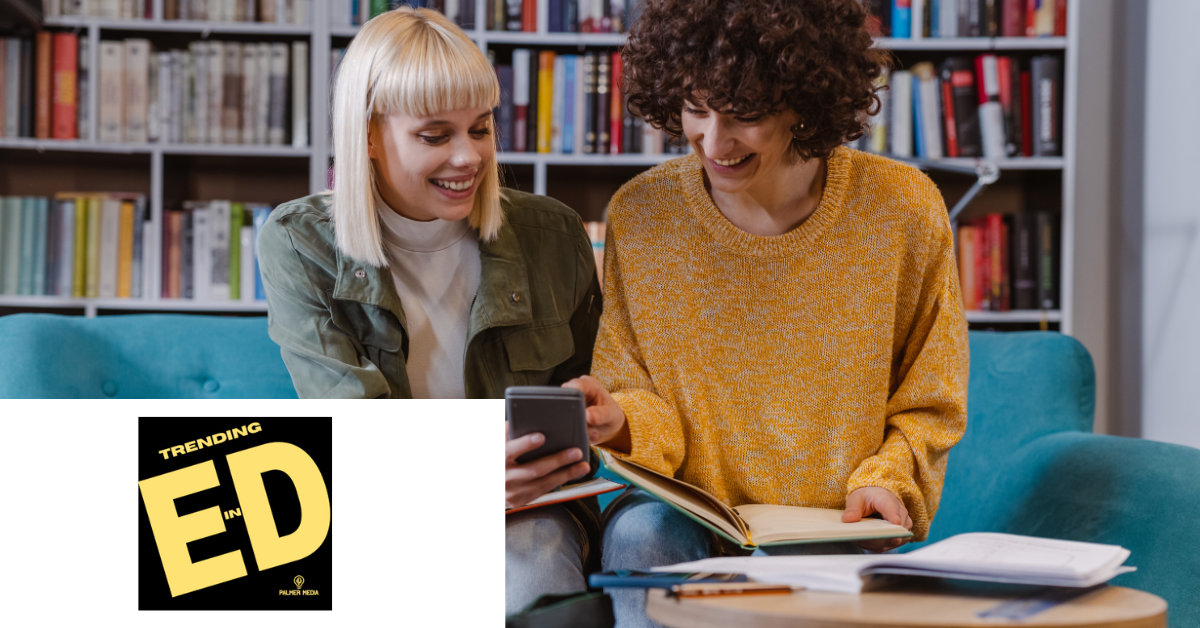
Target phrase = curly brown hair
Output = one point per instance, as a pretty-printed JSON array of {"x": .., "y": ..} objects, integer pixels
[{"x": 814, "y": 57}]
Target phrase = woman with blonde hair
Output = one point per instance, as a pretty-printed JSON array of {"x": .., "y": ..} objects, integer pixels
[{"x": 419, "y": 277}]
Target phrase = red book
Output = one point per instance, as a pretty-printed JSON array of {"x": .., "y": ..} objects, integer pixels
[
  {"x": 616, "y": 111},
  {"x": 1026, "y": 115},
  {"x": 980, "y": 82},
  {"x": 1013, "y": 16},
  {"x": 1060, "y": 18},
  {"x": 529, "y": 16},
  {"x": 66, "y": 61},
  {"x": 1031, "y": 18},
  {"x": 41, "y": 127},
  {"x": 983, "y": 266},
  {"x": 948, "y": 118}
]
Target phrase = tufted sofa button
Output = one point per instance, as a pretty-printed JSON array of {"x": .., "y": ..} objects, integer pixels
[
  {"x": 211, "y": 386},
  {"x": 109, "y": 388}
]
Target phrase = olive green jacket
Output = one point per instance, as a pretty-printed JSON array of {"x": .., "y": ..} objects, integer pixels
[{"x": 341, "y": 326}]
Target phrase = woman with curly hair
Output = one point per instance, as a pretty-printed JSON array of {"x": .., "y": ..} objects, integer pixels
[{"x": 783, "y": 322}]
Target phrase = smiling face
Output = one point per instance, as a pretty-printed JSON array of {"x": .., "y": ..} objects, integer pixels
[
  {"x": 430, "y": 168},
  {"x": 740, "y": 152}
]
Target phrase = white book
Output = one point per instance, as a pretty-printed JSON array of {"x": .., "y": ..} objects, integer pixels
[
  {"x": 231, "y": 110},
  {"x": 177, "y": 95},
  {"x": 276, "y": 130},
  {"x": 201, "y": 252},
  {"x": 263, "y": 104},
  {"x": 10, "y": 247},
  {"x": 556, "y": 104},
  {"x": 199, "y": 92},
  {"x": 219, "y": 242},
  {"x": 148, "y": 255},
  {"x": 931, "y": 114},
  {"x": 216, "y": 83},
  {"x": 879, "y": 122},
  {"x": 53, "y": 8},
  {"x": 902, "y": 114},
  {"x": 301, "y": 9},
  {"x": 251, "y": 10},
  {"x": 985, "y": 556},
  {"x": 249, "y": 254},
  {"x": 188, "y": 97},
  {"x": 109, "y": 8},
  {"x": 250, "y": 89},
  {"x": 66, "y": 246},
  {"x": 110, "y": 228},
  {"x": 12, "y": 88},
  {"x": 918, "y": 19},
  {"x": 452, "y": 9},
  {"x": 112, "y": 91},
  {"x": 580, "y": 107},
  {"x": 520, "y": 64},
  {"x": 991, "y": 113},
  {"x": 137, "y": 71},
  {"x": 282, "y": 16},
  {"x": 300, "y": 62},
  {"x": 948, "y": 18},
  {"x": 154, "y": 113}
]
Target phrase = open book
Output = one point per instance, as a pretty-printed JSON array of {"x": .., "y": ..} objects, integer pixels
[
  {"x": 752, "y": 525},
  {"x": 987, "y": 556},
  {"x": 571, "y": 492}
]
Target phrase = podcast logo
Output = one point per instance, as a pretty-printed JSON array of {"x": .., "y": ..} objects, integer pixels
[{"x": 226, "y": 504}]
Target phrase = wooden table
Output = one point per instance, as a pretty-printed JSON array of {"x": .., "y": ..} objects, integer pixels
[{"x": 916, "y": 603}]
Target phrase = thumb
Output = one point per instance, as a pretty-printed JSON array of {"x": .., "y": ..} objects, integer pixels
[{"x": 853, "y": 510}]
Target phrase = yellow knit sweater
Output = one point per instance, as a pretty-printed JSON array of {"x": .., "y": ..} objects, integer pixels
[{"x": 791, "y": 369}]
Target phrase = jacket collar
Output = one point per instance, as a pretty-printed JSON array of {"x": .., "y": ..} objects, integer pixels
[{"x": 502, "y": 298}]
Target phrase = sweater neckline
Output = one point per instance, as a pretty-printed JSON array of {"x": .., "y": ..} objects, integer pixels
[
  {"x": 420, "y": 236},
  {"x": 706, "y": 212}
]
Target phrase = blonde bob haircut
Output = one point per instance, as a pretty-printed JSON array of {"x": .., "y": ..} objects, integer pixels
[{"x": 414, "y": 62}]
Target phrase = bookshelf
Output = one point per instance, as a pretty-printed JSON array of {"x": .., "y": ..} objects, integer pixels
[{"x": 190, "y": 166}]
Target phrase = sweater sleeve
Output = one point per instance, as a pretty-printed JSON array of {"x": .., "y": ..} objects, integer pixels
[
  {"x": 927, "y": 408},
  {"x": 655, "y": 428}
]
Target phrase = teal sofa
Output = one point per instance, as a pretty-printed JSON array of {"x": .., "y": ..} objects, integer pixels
[{"x": 1028, "y": 463}]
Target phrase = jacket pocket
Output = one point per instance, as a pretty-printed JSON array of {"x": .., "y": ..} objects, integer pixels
[{"x": 534, "y": 352}]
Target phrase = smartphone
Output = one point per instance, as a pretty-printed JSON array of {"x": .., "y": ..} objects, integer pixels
[
  {"x": 656, "y": 579},
  {"x": 560, "y": 414}
]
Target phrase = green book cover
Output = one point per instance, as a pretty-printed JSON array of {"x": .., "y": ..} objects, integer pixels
[
  {"x": 28, "y": 243},
  {"x": 379, "y": 6},
  {"x": 237, "y": 218},
  {"x": 12, "y": 244},
  {"x": 79, "y": 260}
]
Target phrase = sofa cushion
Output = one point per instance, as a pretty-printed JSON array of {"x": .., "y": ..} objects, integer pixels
[{"x": 152, "y": 356}]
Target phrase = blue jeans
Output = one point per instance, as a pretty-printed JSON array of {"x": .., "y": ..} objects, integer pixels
[
  {"x": 642, "y": 532},
  {"x": 544, "y": 552}
]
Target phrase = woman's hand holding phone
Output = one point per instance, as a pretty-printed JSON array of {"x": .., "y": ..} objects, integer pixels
[
  {"x": 524, "y": 483},
  {"x": 605, "y": 418}
]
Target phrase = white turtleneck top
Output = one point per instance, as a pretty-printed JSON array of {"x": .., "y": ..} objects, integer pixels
[{"x": 435, "y": 266}]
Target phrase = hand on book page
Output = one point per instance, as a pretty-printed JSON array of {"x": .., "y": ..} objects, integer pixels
[
  {"x": 869, "y": 500},
  {"x": 605, "y": 418},
  {"x": 524, "y": 483}
]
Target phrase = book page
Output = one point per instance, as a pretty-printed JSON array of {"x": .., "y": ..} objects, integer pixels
[
  {"x": 681, "y": 494},
  {"x": 1017, "y": 556},
  {"x": 771, "y": 524},
  {"x": 576, "y": 491}
]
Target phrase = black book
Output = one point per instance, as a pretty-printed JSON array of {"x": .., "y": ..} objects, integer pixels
[
  {"x": 974, "y": 19},
  {"x": 635, "y": 142},
  {"x": 554, "y": 16},
  {"x": 1046, "y": 79},
  {"x": 513, "y": 17},
  {"x": 466, "y": 14},
  {"x": 531, "y": 117},
  {"x": 1023, "y": 259},
  {"x": 186, "y": 253},
  {"x": 627, "y": 131},
  {"x": 504, "y": 113},
  {"x": 989, "y": 14},
  {"x": 603, "y": 63},
  {"x": 1047, "y": 266},
  {"x": 959, "y": 73},
  {"x": 1013, "y": 122},
  {"x": 570, "y": 16},
  {"x": 589, "y": 102}
]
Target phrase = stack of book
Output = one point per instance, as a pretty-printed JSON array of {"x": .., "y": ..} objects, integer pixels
[
  {"x": 563, "y": 16},
  {"x": 209, "y": 253},
  {"x": 559, "y": 103},
  {"x": 1009, "y": 262},
  {"x": 918, "y": 19},
  {"x": 42, "y": 82},
  {"x": 460, "y": 11},
  {"x": 217, "y": 92},
  {"x": 77, "y": 244},
  {"x": 989, "y": 106},
  {"x": 273, "y": 11}
]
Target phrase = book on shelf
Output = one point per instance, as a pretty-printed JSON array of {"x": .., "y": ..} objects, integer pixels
[
  {"x": 752, "y": 525},
  {"x": 273, "y": 11},
  {"x": 38, "y": 86},
  {"x": 980, "y": 556},
  {"x": 1008, "y": 262},
  {"x": 919, "y": 19},
  {"x": 462, "y": 12},
  {"x": 570, "y": 104},
  {"x": 991, "y": 106},
  {"x": 74, "y": 244},
  {"x": 208, "y": 251}
]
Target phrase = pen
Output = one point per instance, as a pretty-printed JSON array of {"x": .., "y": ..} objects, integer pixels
[{"x": 728, "y": 588}]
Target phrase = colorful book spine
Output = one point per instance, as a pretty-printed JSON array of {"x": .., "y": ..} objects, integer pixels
[
  {"x": 28, "y": 239},
  {"x": 237, "y": 218},
  {"x": 616, "y": 106},
  {"x": 520, "y": 98},
  {"x": 64, "y": 283},
  {"x": 110, "y": 230},
  {"x": 65, "y": 110},
  {"x": 568, "y": 103},
  {"x": 43, "y": 90},
  {"x": 260, "y": 218},
  {"x": 80, "y": 255},
  {"x": 125, "y": 250},
  {"x": 603, "y": 65},
  {"x": 545, "y": 96},
  {"x": 41, "y": 208},
  {"x": 11, "y": 217}
]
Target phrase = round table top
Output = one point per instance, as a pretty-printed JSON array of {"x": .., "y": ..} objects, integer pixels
[{"x": 922, "y": 602}]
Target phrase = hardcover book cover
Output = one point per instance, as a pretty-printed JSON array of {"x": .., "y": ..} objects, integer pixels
[{"x": 235, "y": 514}]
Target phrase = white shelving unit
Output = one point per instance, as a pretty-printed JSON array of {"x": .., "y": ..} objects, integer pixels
[{"x": 321, "y": 37}]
